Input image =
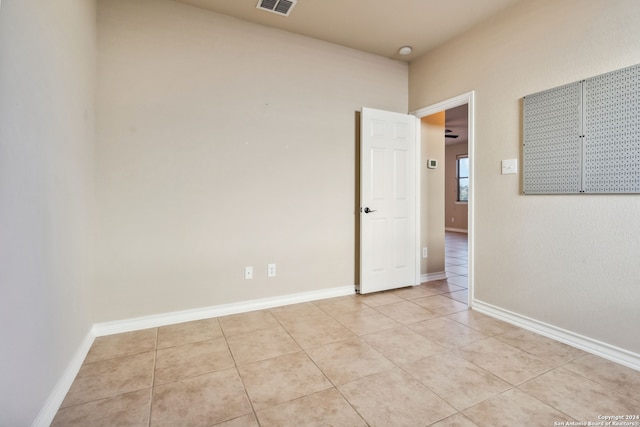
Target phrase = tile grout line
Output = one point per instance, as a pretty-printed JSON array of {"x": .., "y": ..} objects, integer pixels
[
  {"x": 591, "y": 379},
  {"x": 153, "y": 376},
  {"x": 235, "y": 365},
  {"x": 334, "y": 385},
  {"x": 553, "y": 367}
]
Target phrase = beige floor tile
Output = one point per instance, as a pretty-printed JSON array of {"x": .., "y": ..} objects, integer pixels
[
  {"x": 394, "y": 398},
  {"x": 203, "y": 400},
  {"x": 188, "y": 332},
  {"x": 509, "y": 363},
  {"x": 443, "y": 286},
  {"x": 460, "y": 269},
  {"x": 619, "y": 378},
  {"x": 481, "y": 322},
  {"x": 325, "y": 408},
  {"x": 128, "y": 409},
  {"x": 125, "y": 344},
  {"x": 447, "y": 332},
  {"x": 190, "y": 360},
  {"x": 261, "y": 345},
  {"x": 458, "y": 253},
  {"x": 333, "y": 306},
  {"x": 244, "y": 323},
  {"x": 313, "y": 334},
  {"x": 551, "y": 351},
  {"x": 378, "y": 298},
  {"x": 365, "y": 321},
  {"x": 473, "y": 363},
  {"x": 281, "y": 379},
  {"x": 348, "y": 360},
  {"x": 244, "y": 421},
  {"x": 587, "y": 400},
  {"x": 460, "y": 296},
  {"x": 305, "y": 312},
  {"x": 514, "y": 408},
  {"x": 406, "y": 312},
  {"x": 108, "y": 378},
  {"x": 459, "y": 382},
  {"x": 457, "y": 420},
  {"x": 440, "y": 304},
  {"x": 412, "y": 292},
  {"x": 457, "y": 249},
  {"x": 461, "y": 282},
  {"x": 402, "y": 345},
  {"x": 452, "y": 260}
]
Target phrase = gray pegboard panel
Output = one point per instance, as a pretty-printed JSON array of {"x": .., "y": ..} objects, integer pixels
[
  {"x": 552, "y": 150},
  {"x": 611, "y": 132}
]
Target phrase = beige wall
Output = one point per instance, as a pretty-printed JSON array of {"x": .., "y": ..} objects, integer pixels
[
  {"x": 223, "y": 144},
  {"x": 455, "y": 213},
  {"x": 47, "y": 84},
  {"x": 432, "y": 193},
  {"x": 569, "y": 261}
]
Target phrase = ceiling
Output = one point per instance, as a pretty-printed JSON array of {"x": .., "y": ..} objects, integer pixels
[
  {"x": 456, "y": 120},
  {"x": 380, "y": 27}
]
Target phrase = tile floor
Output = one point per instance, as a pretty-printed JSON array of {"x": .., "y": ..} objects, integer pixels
[{"x": 407, "y": 357}]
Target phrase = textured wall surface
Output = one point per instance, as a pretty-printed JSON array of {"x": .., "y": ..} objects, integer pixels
[
  {"x": 569, "y": 261},
  {"x": 47, "y": 86},
  {"x": 432, "y": 193},
  {"x": 223, "y": 144}
]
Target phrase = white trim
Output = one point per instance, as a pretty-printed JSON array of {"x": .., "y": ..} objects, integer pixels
[
  {"x": 590, "y": 345},
  {"x": 447, "y": 104},
  {"x": 418, "y": 199},
  {"x": 154, "y": 321},
  {"x": 48, "y": 412},
  {"x": 430, "y": 277},
  {"x": 469, "y": 99},
  {"x": 55, "y": 399},
  {"x": 457, "y": 230}
]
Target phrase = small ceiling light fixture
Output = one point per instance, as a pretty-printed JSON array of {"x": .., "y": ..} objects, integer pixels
[{"x": 405, "y": 50}]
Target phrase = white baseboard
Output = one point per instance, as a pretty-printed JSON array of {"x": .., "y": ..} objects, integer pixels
[
  {"x": 457, "y": 230},
  {"x": 154, "y": 321},
  {"x": 51, "y": 406},
  {"x": 590, "y": 345},
  {"x": 430, "y": 277}
]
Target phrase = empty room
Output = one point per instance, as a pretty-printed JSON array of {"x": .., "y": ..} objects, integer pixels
[{"x": 190, "y": 221}]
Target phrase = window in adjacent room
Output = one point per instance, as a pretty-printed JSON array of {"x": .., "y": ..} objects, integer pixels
[{"x": 462, "y": 177}]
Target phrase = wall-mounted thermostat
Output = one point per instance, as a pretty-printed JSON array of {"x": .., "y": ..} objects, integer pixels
[{"x": 432, "y": 163}]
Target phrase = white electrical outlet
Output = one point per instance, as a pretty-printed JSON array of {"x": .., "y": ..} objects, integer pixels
[
  {"x": 271, "y": 270},
  {"x": 248, "y": 273},
  {"x": 425, "y": 253}
]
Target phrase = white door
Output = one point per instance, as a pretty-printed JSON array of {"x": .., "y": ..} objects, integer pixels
[{"x": 387, "y": 200}]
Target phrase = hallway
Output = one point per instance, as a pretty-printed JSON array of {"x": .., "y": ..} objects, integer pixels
[{"x": 456, "y": 265}]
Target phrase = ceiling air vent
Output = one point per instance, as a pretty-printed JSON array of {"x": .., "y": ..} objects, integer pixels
[{"x": 281, "y": 7}]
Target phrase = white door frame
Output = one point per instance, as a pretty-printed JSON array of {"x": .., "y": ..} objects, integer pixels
[{"x": 465, "y": 98}]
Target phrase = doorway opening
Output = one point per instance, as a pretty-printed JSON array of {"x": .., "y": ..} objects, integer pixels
[{"x": 455, "y": 105}]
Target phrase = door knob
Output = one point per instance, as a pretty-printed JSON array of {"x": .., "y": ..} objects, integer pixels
[{"x": 367, "y": 210}]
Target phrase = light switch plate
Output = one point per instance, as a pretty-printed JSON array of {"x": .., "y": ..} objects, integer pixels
[{"x": 509, "y": 166}]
